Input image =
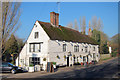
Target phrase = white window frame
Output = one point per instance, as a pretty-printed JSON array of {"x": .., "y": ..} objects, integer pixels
[
  {"x": 32, "y": 60},
  {"x": 64, "y": 47},
  {"x": 32, "y": 47},
  {"x": 36, "y": 35},
  {"x": 76, "y": 48}
]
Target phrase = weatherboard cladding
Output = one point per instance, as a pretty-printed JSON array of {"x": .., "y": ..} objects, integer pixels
[{"x": 65, "y": 34}]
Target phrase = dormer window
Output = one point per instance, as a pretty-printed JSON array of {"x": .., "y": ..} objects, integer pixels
[
  {"x": 81, "y": 49},
  {"x": 36, "y": 35},
  {"x": 86, "y": 49},
  {"x": 93, "y": 48},
  {"x": 76, "y": 48},
  {"x": 64, "y": 47}
]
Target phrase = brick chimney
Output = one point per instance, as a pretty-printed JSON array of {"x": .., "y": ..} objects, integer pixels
[{"x": 54, "y": 18}]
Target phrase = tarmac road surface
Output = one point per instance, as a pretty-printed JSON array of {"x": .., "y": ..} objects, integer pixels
[
  {"x": 109, "y": 69},
  {"x": 106, "y": 70}
]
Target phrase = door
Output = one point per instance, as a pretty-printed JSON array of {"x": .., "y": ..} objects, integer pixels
[
  {"x": 94, "y": 58},
  {"x": 84, "y": 59},
  {"x": 87, "y": 59},
  {"x": 67, "y": 61}
]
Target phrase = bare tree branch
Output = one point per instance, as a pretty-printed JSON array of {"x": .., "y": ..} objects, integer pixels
[
  {"x": 10, "y": 21},
  {"x": 76, "y": 25},
  {"x": 99, "y": 25},
  {"x": 83, "y": 25},
  {"x": 94, "y": 22},
  {"x": 70, "y": 25}
]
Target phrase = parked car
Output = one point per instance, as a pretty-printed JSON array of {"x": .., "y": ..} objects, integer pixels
[{"x": 8, "y": 67}]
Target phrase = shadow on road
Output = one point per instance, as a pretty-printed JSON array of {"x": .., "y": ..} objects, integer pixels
[{"x": 106, "y": 70}]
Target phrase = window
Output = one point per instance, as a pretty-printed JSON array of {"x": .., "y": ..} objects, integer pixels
[
  {"x": 36, "y": 35},
  {"x": 94, "y": 58},
  {"x": 34, "y": 60},
  {"x": 35, "y": 25},
  {"x": 93, "y": 48},
  {"x": 35, "y": 47},
  {"x": 64, "y": 47},
  {"x": 22, "y": 61},
  {"x": 84, "y": 59},
  {"x": 85, "y": 49},
  {"x": 76, "y": 48},
  {"x": 81, "y": 49}
]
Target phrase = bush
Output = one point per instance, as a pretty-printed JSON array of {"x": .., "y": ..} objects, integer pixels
[
  {"x": 114, "y": 54},
  {"x": 31, "y": 65},
  {"x": 54, "y": 63}
]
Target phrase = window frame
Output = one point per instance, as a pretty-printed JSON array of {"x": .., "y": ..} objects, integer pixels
[
  {"x": 86, "y": 49},
  {"x": 33, "y": 49},
  {"x": 34, "y": 60},
  {"x": 76, "y": 48},
  {"x": 64, "y": 47},
  {"x": 94, "y": 48},
  {"x": 36, "y": 35}
]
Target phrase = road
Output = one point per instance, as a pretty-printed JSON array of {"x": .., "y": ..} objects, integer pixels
[{"x": 106, "y": 70}]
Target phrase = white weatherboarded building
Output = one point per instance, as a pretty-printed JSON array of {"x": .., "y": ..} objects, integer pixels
[{"x": 50, "y": 42}]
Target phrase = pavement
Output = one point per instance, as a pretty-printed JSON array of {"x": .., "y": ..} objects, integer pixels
[{"x": 106, "y": 69}]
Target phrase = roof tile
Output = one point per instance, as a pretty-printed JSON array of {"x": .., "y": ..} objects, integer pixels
[{"x": 66, "y": 34}]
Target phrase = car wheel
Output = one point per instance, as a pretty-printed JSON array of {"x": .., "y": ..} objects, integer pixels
[{"x": 13, "y": 71}]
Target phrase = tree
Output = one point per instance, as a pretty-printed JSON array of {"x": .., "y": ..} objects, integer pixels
[
  {"x": 104, "y": 48},
  {"x": 101, "y": 38},
  {"x": 115, "y": 38},
  {"x": 14, "y": 46},
  {"x": 0, "y": 29},
  {"x": 10, "y": 22},
  {"x": 115, "y": 43},
  {"x": 76, "y": 25},
  {"x": 70, "y": 25},
  {"x": 11, "y": 48},
  {"x": 83, "y": 25},
  {"x": 20, "y": 44},
  {"x": 80, "y": 24},
  {"x": 89, "y": 24},
  {"x": 99, "y": 25},
  {"x": 94, "y": 22},
  {"x": 96, "y": 35}
]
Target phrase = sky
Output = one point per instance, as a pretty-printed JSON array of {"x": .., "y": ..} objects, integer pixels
[{"x": 69, "y": 11}]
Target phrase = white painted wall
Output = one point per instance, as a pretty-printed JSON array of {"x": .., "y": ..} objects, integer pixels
[
  {"x": 110, "y": 49},
  {"x": 51, "y": 48},
  {"x": 56, "y": 48},
  {"x": 43, "y": 37}
]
